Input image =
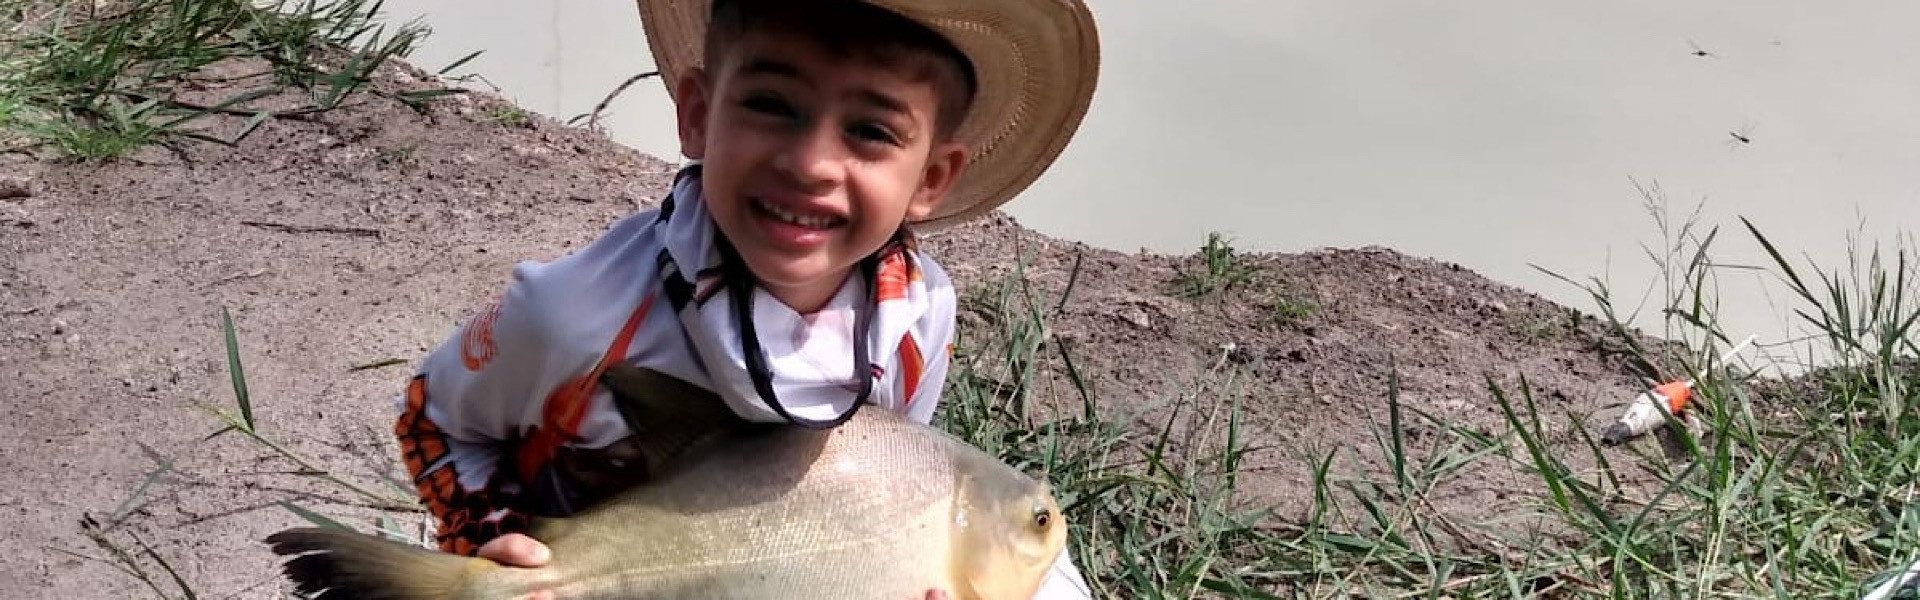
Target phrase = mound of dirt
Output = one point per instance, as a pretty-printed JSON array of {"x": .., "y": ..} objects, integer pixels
[{"x": 344, "y": 239}]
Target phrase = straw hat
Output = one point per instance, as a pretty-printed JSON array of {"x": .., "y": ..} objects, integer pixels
[{"x": 1036, "y": 62}]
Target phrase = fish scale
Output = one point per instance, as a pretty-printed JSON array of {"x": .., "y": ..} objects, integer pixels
[
  {"x": 862, "y": 499},
  {"x": 877, "y": 507}
]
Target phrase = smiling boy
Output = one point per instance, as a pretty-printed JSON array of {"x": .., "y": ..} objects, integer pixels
[{"x": 781, "y": 271}]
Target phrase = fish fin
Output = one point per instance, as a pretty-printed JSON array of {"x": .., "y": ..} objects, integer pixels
[
  {"x": 667, "y": 415},
  {"x": 547, "y": 529},
  {"x": 652, "y": 389},
  {"x": 339, "y": 564}
]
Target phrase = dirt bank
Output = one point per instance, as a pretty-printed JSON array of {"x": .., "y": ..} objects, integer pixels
[{"x": 367, "y": 234}]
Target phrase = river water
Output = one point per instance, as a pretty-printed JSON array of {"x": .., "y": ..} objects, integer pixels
[{"x": 1504, "y": 135}]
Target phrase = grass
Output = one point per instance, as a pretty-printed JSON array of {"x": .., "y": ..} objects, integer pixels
[
  {"x": 1793, "y": 489},
  {"x": 509, "y": 116},
  {"x": 1793, "y": 494},
  {"x": 97, "y": 81},
  {"x": 1154, "y": 523},
  {"x": 1788, "y": 495},
  {"x": 1806, "y": 491},
  {"x": 1217, "y": 270},
  {"x": 1287, "y": 306},
  {"x": 1221, "y": 269},
  {"x": 1540, "y": 328},
  {"x": 106, "y": 530},
  {"x": 404, "y": 155}
]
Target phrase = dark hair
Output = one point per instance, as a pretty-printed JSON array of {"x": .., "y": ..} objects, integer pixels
[{"x": 849, "y": 27}]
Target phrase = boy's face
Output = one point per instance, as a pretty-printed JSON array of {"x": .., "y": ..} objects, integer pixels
[{"x": 811, "y": 161}]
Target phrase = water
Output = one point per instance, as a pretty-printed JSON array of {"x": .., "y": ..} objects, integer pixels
[{"x": 1499, "y": 134}]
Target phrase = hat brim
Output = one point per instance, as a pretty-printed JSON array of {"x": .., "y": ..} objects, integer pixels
[{"x": 1036, "y": 61}]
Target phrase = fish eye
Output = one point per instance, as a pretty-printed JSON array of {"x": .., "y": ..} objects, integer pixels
[{"x": 1042, "y": 517}]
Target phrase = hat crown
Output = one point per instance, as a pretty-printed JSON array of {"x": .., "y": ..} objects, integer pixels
[{"x": 1036, "y": 64}]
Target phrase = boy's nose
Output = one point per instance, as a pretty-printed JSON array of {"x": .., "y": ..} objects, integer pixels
[{"x": 814, "y": 157}]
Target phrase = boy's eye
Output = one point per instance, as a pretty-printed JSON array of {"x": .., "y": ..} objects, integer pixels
[
  {"x": 873, "y": 132},
  {"x": 772, "y": 105}
]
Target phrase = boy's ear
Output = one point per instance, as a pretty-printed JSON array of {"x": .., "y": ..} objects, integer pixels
[
  {"x": 691, "y": 105},
  {"x": 945, "y": 161}
]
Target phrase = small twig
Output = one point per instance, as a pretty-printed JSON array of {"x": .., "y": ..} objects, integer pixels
[
  {"x": 1489, "y": 545},
  {"x": 164, "y": 565},
  {"x": 299, "y": 114},
  {"x": 381, "y": 501},
  {"x": 1450, "y": 585},
  {"x": 225, "y": 79},
  {"x": 377, "y": 364},
  {"x": 162, "y": 466},
  {"x": 593, "y": 118},
  {"x": 91, "y": 528},
  {"x": 286, "y": 228},
  {"x": 241, "y": 275},
  {"x": 91, "y": 558}
]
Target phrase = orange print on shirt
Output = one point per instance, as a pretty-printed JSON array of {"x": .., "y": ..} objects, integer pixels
[
  {"x": 566, "y": 405},
  {"x": 476, "y": 341},
  {"x": 911, "y": 363},
  {"x": 893, "y": 277}
]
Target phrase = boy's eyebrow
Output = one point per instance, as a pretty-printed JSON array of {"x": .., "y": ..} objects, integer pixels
[
  {"x": 884, "y": 102},
  {"x": 760, "y": 65},
  {"x": 768, "y": 66}
]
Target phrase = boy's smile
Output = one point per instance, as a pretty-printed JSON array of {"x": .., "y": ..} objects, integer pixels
[{"x": 812, "y": 159}]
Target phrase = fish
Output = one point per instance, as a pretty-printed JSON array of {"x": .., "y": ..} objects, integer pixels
[{"x": 880, "y": 506}]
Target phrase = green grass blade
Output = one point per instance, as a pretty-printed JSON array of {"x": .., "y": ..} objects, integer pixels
[
  {"x": 1397, "y": 431},
  {"x": 313, "y": 517},
  {"x": 162, "y": 466},
  {"x": 456, "y": 64},
  {"x": 252, "y": 123},
  {"x": 235, "y": 371},
  {"x": 388, "y": 362},
  {"x": 181, "y": 582}
]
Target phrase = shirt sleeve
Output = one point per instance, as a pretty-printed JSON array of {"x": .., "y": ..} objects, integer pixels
[
  {"x": 462, "y": 411},
  {"x": 1063, "y": 581},
  {"x": 484, "y": 393},
  {"x": 458, "y": 481}
]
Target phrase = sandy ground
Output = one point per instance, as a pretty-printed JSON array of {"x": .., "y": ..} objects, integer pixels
[{"x": 369, "y": 233}]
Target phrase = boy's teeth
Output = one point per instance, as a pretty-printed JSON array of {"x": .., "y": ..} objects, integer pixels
[{"x": 808, "y": 221}]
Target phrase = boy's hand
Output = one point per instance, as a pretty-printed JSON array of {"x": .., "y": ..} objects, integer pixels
[{"x": 518, "y": 550}]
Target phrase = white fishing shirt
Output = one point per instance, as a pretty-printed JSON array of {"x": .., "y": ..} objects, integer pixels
[{"x": 495, "y": 402}]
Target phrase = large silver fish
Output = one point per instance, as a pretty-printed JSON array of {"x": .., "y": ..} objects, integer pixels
[{"x": 878, "y": 507}]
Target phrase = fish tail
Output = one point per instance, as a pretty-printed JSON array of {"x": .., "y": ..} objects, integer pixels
[{"x": 334, "y": 564}]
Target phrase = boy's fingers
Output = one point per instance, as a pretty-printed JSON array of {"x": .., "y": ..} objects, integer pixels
[{"x": 515, "y": 550}]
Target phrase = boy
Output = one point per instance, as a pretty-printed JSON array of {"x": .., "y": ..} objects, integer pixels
[{"x": 780, "y": 272}]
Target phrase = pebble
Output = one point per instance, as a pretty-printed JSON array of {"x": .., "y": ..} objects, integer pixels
[{"x": 13, "y": 187}]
